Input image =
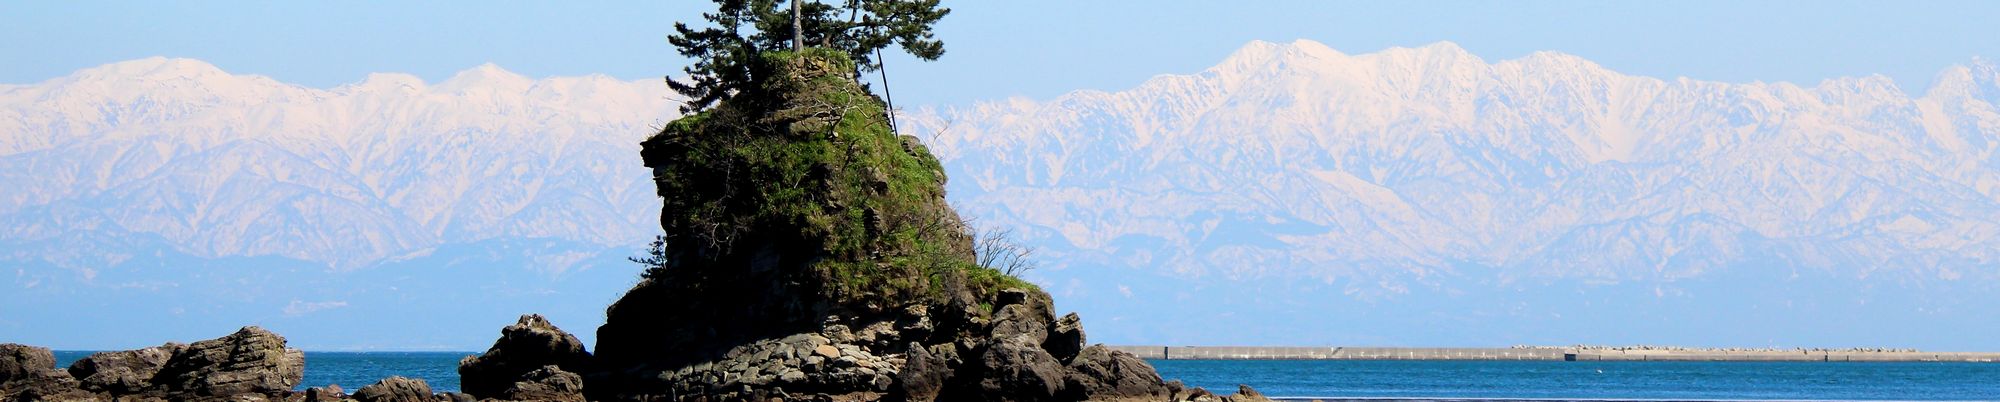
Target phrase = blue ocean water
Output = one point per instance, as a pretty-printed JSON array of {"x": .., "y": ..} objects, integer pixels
[
  {"x": 353, "y": 370},
  {"x": 1597, "y": 380},
  {"x": 1411, "y": 379}
]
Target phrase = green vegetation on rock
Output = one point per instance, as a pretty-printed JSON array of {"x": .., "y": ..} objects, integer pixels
[
  {"x": 731, "y": 57},
  {"x": 811, "y": 165}
]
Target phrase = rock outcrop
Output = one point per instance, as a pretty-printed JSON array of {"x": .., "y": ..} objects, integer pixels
[
  {"x": 28, "y": 373},
  {"x": 1099, "y": 373},
  {"x": 330, "y": 393},
  {"x": 123, "y": 372},
  {"x": 396, "y": 389},
  {"x": 532, "y": 357},
  {"x": 250, "y": 361},
  {"x": 249, "y": 365},
  {"x": 549, "y": 383},
  {"x": 809, "y": 254},
  {"x": 22, "y": 362}
]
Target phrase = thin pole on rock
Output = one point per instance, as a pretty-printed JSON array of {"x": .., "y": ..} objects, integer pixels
[{"x": 883, "y": 65}]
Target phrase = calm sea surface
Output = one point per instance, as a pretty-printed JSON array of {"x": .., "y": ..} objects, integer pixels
[{"x": 1414, "y": 379}]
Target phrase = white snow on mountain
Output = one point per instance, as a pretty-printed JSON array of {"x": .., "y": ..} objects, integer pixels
[
  {"x": 1400, "y": 168},
  {"x": 1283, "y": 195},
  {"x": 213, "y": 164},
  {"x": 1374, "y": 171}
]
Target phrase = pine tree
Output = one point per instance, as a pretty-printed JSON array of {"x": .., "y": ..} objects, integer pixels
[{"x": 728, "y": 56}]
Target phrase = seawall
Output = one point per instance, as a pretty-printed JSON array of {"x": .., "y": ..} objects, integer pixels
[
  {"x": 1336, "y": 353},
  {"x": 1536, "y": 354}
]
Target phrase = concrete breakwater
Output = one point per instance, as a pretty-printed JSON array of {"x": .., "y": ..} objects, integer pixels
[
  {"x": 1540, "y": 354},
  {"x": 1336, "y": 353}
]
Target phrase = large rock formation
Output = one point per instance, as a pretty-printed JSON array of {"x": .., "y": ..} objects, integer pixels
[
  {"x": 28, "y": 373},
  {"x": 249, "y": 365},
  {"x": 123, "y": 372},
  {"x": 250, "y": 361},
  {"x": 809, "y": 254},
  {"x": 532, "y": 360},
  {"x": 21, "y": 362}
]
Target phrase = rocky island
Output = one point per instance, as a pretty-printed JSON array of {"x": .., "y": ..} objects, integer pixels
[{"x": 808, "y": 255}]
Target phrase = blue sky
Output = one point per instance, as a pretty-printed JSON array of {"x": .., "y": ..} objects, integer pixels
[{"x": 998, "y": 49}]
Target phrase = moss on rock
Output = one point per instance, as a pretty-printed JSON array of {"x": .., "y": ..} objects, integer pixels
[{"x": 789, "y": 208}]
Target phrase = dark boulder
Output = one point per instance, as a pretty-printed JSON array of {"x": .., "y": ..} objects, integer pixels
[
  {"x": 49, "y": 386},
  {"x": 123, "y": 372},
  {"x": 1099, "y": 373},
  {"x": 396, "y": 389},
  {"x": 1022, "y": 315},
  {"x": 924, "y": 374},
  {"x": 526, "y": 346},
  {"x": 549, "y": 383},
  {"x": 250, "y": 361},
  {"x": 1065, "y": 337},
  {"x": 1246, "y": 394},
  {"x": 330, "y": 393},
  {"x": 22, "y": 362},
  {"x": 1018, "y": 371},
  {"x": 28, "y": 373}
]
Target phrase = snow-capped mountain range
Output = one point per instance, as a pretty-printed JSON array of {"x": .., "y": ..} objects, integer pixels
[
  {"x": 1398, "y": 168},
  {"x": 218, "y": 165},
  {"x": 1544, "y": 199}
]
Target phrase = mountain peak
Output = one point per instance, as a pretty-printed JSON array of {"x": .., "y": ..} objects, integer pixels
[
  {"x": 1979, "y": 78},
  {"x": 153, "y": 68},
  {"x": 387, "y": 82},
  {"x": 1443, "y": 47},
  {"x": 485, "y": 75},
  {"x": 1439, "y": 54}
]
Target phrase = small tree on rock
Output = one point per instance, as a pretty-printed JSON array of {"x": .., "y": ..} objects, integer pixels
[{"x": 728, "y": 56}]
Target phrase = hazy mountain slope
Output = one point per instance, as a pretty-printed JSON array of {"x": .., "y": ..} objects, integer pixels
[
  {"x": 166, "y": 199},
  {"x": 1291, "y": 194},
  {"x": 221, "y": 165},
  {"x": 1398, "y": 168}
]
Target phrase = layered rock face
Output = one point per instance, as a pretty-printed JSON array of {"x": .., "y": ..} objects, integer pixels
[
  {"x": 251, "y": 364},
  {"x": 123, "y": 372}
]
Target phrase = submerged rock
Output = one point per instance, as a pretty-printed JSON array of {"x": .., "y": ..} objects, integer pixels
[{"x": 1246, "y": 394}]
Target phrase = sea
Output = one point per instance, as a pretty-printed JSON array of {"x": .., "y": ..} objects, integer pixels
[{"x": 1415, "y": 380}]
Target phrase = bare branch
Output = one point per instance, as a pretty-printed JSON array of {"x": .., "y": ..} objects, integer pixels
[{"x": 997, "y": 249}]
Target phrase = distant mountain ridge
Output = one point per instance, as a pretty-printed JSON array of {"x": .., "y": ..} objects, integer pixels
[
  {"x": 219, "y": 165},
  {"x": 1395, "y": 169},
  {"x": 1292, "y": 194}
]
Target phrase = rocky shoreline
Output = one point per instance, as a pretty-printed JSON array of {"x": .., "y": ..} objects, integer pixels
[{"x": 535, "y": 361}]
